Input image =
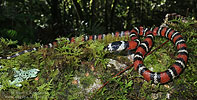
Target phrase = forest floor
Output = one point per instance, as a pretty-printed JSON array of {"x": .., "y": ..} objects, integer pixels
[{"x": 76, "y": 71}]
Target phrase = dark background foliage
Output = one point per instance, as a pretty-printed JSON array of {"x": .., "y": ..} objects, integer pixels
[{"x": 32, "y": 21}]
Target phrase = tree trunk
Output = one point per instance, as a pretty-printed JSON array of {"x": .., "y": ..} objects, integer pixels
[
  {"x": 106, "y": 15},
  {"x": 78, "y": 10},
  {"x": 112, "y": 13},
  {"x": 93, "y": 10}
]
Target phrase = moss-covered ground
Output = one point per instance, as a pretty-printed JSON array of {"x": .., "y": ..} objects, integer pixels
[{"x": 75, "y": 71}]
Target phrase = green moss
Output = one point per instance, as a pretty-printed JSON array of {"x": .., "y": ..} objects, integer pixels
[{"x": 87, "y": 81}]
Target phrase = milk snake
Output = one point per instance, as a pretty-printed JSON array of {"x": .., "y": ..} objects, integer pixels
[{"x": 142, "y": 48}]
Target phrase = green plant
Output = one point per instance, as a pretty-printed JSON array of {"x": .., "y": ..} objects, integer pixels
[{"x": 43, "y": 91}]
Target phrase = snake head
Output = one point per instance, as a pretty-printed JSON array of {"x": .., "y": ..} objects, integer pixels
[{"x": 117, "y": 46}]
